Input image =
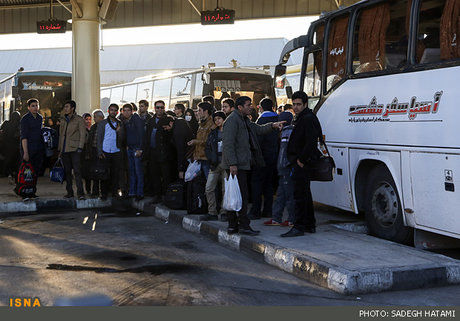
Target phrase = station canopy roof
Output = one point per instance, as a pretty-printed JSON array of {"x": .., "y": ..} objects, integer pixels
[{"x": 19, "y": 16}]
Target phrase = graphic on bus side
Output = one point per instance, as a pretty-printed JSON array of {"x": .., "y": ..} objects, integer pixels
[{"x": 380, "y": 112}]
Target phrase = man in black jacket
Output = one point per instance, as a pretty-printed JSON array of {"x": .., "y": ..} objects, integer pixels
[
  {"x": 157, "y": 140},
  {"x": 303, "y": 146},
  {"x": 177, "y": 145}
]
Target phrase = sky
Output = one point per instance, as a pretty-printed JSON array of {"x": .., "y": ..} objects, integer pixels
[{"x": 250, "y": 29}]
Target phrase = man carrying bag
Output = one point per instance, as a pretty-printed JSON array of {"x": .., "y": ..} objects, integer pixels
[{"x": 302, "y": 148}]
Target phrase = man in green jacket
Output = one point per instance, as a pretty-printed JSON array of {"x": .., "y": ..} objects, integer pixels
[{"x": 241, "y": 152}]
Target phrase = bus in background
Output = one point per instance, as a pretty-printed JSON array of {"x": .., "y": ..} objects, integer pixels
[
  {"x": 383, "y": 83},
  {"x": 189, "y": 87},
  {"x": 51, "y": 88}
]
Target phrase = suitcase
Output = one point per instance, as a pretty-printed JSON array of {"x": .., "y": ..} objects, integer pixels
[
  {"x": 175, "y": 196},
  {"x": 196, "y": 197}
]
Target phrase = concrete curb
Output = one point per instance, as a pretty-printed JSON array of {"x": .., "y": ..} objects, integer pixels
[
  {"x": 321, "y": 273},
  {"x": 51, "y": 204}
]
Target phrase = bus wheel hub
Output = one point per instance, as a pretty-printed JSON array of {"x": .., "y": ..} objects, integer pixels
[{"x": 385, "y": 204}]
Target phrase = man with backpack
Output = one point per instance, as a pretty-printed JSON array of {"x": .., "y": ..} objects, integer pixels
[
  {"x": 32, "y": 148},
  {"x": 72, "y": 138},
  {"x": 285, "y": 192}
]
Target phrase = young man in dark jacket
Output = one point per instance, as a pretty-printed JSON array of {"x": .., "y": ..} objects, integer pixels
[
  {"x": 213, "y": 152},
  {"x": 241, "y": 151},
  {"x": 32, "y": 143},
  {"x": 134, "y": 128},
  {"x": 303, "y": 146},
  {"x": 91, "y": 150},
  {"x": 285, "y": 192},
  {"x": 262, "y": 177},
  {"x": 110, "y": 142},
  {"x": 160, "y": 169}
]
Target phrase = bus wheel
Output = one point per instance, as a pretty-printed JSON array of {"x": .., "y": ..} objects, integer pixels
[{"x": 384, "y": 215}]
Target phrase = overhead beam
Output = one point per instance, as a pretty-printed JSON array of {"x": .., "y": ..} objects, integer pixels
[{"x": 77, "y": 8}]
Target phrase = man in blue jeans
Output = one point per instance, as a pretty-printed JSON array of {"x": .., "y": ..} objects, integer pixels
[{"x": 134, "y": 128}]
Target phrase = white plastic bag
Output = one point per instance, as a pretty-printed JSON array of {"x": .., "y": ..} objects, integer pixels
[
  {"x": 232, "y": 197},
  {"x": 193, "y": 170}
]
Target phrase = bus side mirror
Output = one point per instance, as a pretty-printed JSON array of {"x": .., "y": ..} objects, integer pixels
[
  {"x": 15, "y": 91},
  {"x": 289, "y": 92},
  {"x": 280, "y": 76}
]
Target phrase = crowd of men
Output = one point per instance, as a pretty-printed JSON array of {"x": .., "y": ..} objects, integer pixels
[{"x": 133, "y": 152}]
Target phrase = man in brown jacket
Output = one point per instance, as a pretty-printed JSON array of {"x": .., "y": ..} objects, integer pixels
[
  {"x": 72, "y": 137},
  {"x": 205, "y": 111}
]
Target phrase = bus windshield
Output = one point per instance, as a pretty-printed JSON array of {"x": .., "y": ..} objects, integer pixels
[
  {"x": 233, "y": 84},
  {"x": 52, "y": 93}
]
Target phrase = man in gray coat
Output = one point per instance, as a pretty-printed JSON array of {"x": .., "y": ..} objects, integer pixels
[{"x": 240, "y": 152}]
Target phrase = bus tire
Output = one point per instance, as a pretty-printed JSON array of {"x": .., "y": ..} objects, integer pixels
[{"x": 383, "y": 212}]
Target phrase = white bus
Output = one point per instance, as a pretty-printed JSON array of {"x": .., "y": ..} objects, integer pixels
[
  {"x": 189, "y": 87},
  {"x": 385, "y": 86}
]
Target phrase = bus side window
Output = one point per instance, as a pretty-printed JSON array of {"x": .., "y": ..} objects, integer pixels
[
  {"x": 144, "y": 92},
  {"x": 450, "y": 30},
  {"x": 105, "y": 99},
  {"x": 380, "y": 37},
  {"x": 312, "y": 83},
  {"x": 198, "y": 90},
  {"x": 439, "y": 26},
  {"x": 337, "y": 51},
  {"x": 162, "y": 90}
]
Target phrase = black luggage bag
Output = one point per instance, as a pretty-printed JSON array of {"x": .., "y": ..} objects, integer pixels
[{"x": 175, "y": 196}]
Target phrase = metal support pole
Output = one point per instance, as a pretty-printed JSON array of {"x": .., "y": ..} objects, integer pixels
[
  {"x": 51, "y": 10},
  {"x": 194, "y": 7},
  {"x": 63, "y": 5}
]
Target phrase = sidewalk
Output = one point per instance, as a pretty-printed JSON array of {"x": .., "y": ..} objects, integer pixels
[
  {"x": 51, "y": 197},
  {"x": 334, "y": 257}
]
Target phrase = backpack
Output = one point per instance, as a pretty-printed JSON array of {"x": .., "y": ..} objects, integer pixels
[
  {"x": 27, "y": 180},
  {"x": 283, "y": 162},
  {"x": 50, "y": 137}
]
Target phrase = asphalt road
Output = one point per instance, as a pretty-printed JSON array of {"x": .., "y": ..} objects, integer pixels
[{"x": 139, "y": 260}]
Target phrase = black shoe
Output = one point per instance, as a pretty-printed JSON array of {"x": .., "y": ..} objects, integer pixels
[
  {"x": 103, "y": 198},
  {"x": 81, "y": 198},
  {"x": 310, "y": 230},
  {"x": 34, "y": 196},
  {"x": 209, "y": 217},
  {"x": 232, "y": 230},
  {"x": 68, "y": 195},
  {"x": 293, "y": 232},
  {"x": 139, "y": 198},
  {"x": 248, "y": 231}
]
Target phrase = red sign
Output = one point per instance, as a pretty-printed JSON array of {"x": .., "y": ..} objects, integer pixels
[
  {"x": 217, "y": 17},
  {"x": 51, "y": 26}
]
